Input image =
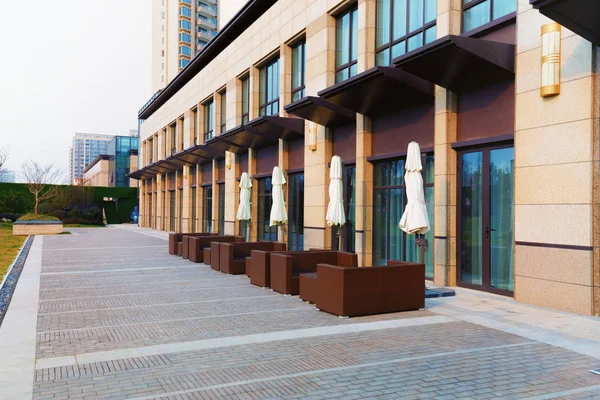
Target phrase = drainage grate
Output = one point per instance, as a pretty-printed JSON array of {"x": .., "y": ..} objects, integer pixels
[{"x": 595, "y": 371}]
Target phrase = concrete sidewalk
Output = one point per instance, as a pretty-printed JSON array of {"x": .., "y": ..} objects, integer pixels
[{"x": 107, "y": 313}]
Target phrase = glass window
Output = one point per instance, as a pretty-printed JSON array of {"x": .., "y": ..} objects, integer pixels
[
  {"x": 389, "y": 242},
  {"x": 245, "y": 100},
  {"x": 403, "y": 26},
  {"x": 223, "y": 113},
  {"x": 479, "y": 12},
  {"x": 173, "y": 139},
  {"x": 183, "y": 24},
  {"x": 183, "y": 63},
  {"x": 298, "y": 71},
  {"x": 185, "y": 11},
  {"x": 195, "y": 125},
  {"x": 265, "y": 232},
  {"x": 185, "y": 50},
  {"x": 207, "y": 194},
  {"x": 208, "y": 120},
  {"x": 296, "y": 211},
  {"x": 221, "y": 210},
  {"x": 185, "y": 37},
  {"x": 346, "y": 55},
  {"x": 269, "y": 88}
]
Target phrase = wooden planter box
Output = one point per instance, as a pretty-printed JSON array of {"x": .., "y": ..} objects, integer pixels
[{"x": 25, "y": 228}]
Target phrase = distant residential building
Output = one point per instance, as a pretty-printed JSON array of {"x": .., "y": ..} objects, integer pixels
[
  {"x": 84, "y": 149},
  {"x": 8, "y": 176},
  {"x": 111, "y": 168},
  {"x": 181, "y": 29}
]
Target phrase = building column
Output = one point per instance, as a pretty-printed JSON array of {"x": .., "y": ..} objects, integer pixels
[
  {"x": 215, "y": 195},
  {"x": 143, "y": 206},
  {"x": 187, "y": 193},
  {"x": 449, "y": 15},
  {"x": 367, "y": 16},
  {"x": 158, "y": 216},
  {"x": 364, "y": 192},
  {"x": 232, "y": 195},
  {"x": 316, "y": 189},
  {"x": 252, "y": 172},
  {"x": 557, "y": 173}
]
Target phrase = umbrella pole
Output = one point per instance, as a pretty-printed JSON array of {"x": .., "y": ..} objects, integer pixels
[{"x": 339, "y": 235}]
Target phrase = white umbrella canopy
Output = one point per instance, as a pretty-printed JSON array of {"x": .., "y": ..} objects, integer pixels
[
  {"x": 278, "y": 212},
  {"x": 335, "y": 209},
  {"x": 244, "y": 212},
  {"x": 414, "y": 220}
]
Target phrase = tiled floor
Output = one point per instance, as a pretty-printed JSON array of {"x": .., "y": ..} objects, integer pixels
[{"x": 120, "y": 318}]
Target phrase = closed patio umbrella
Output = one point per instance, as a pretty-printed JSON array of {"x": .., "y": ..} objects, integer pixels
[
  {"x": 278, "y": 212},
  {"x": 414, "y": 220},
  {"x": 244, "y": 212},
  {"x": 335, "y": 209}
]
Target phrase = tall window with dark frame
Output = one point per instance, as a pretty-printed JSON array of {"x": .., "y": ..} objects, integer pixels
[
  {"x": 269, "y": 88},
  {"x": 346, "y": 45},
  {"x": 389, "y": 242},
  {"x": 223, "y": 111},
  {"x": 299, "y": 70},
  {"x": 181, "y": 122},
  {"x": 207, "y": 195},
  {"x": 221, "y": 209},
  {"x": 245, "y": 99},
  {"x": 265, "y": 201},
  {"x": 173, "y": 139},
  {"x": 195, "y": 124},
  {"x": 403, "y": 26},
  {"x": 479, "y": 12},
  {"x": 209, "y": 112},
  {"x": 150, "y": 151}
]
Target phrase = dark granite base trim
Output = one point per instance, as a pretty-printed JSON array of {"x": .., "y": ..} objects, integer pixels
[{"x": 8, "y": 288}]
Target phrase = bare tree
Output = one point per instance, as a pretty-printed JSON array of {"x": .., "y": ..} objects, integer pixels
[
  {"x": 38, "y": 179},
  {"x": 4, "y": 153}
]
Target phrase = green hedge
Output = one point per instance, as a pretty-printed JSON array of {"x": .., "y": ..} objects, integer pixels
[{"x": 73, "y": 204}]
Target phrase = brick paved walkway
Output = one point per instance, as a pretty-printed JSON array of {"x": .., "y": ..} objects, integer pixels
[{"x": 120, "y": 318}]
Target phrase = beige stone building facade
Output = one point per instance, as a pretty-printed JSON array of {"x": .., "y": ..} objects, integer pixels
[{"x": 503, "y": 102}]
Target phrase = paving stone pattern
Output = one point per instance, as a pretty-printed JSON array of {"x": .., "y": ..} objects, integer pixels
[{"x": 150, "y": 298}]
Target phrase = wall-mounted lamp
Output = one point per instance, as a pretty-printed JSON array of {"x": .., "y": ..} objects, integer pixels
[
  {"x": 550, "y": 62},
  {"x": 227, "y": 160},
  {"x": 312, "y": 136}
]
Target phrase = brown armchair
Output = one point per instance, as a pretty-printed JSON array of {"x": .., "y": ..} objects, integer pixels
[
  {"x": 176, "y": 241},
  {"x": 211, "y": 253},
  {"x": 197, "y": 245},
  {"x": 232, "y": 256},
  {"x": 258, "y": 268},
  {"x": 286, "y": 268},
  {"x": 349, "y": 292}
]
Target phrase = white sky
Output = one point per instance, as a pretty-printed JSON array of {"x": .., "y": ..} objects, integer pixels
[{"x": 70, "y": 66}]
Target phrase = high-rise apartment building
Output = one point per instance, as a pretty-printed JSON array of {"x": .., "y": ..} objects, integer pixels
[
  {"x": 85, "y": 148},
  {"x": 180, "y": 29}
]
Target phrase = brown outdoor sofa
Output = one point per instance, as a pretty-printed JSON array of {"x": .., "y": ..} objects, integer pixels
[
  {"x": 350, "y": 292},
  {"x": 258, "y": 266},
  {"x": 176, "y": 241},
  {"x": 211, "y": 253},
  {"x": 232, "y": 256},
  {"x": 197, "y": 246},
  {"x": 286, "y": 268}
]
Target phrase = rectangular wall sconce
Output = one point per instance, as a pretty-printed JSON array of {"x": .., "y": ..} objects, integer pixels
[
  {"x": 227, "y": 160},
  {"x": 550, "y": 61},
  {"x": 312, "y": 136}
]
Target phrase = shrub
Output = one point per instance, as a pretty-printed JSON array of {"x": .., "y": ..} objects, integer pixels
[
  {"x": 11, "y": 217},
  {"x": 15, "y": 202},
  {"x": 37, "y": 217}
]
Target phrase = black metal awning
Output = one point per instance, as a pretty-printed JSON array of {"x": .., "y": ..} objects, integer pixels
[
  {"x": 380, "y": 90},
  {"x": 580, "y": 16},
  {"x": 321, "y": 111},
  {"x": 461, "y": 63},
  {"x": 276, "y": 127}
]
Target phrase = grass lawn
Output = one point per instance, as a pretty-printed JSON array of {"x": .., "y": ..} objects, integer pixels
[
  {"x": 82, "y": 226},
  {"x": 9, "y": 246}
]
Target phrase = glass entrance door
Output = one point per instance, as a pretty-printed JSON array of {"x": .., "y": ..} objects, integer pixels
[
  {"x": 296, "y": 211},
  {"x": 349, "y": 229},
  {"x": 486, "y": 219}
]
